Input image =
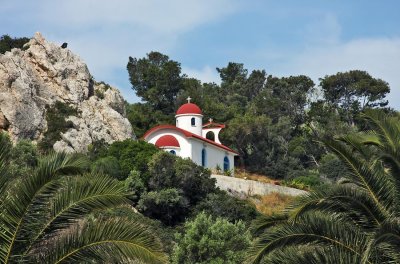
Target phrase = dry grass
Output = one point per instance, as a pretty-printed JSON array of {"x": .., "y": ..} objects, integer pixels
[
  {"x": 272, "y": 203},
  {"x": 255, "y": 177}
]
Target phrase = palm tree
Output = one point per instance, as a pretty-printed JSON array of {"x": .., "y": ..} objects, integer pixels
[
  {"x": 47, "y": 217},
  {"x": 357, "y": 221}
]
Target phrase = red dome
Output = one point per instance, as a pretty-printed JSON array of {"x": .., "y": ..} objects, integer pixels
[
  {"x": 189, "y": 108},
  {"x": 167, "y": 141}
]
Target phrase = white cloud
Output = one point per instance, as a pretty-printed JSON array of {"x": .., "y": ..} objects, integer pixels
[
  {"x": 206, "y": 74},
  {"x": 105, "y": 33}
]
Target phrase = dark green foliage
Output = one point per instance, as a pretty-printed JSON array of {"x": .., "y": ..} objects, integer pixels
[
  {"x": 167, "y": 205},
  {"x": 167, "y": 171},
  {"x": 331, "y": 167},
  {"x": 156, "y": 79},
  {"x": 143, "y": 116},
  {"x": 135, "y": 184},
  {"x": 56, "y": 124},
  {"x": 272, "y": 122},
  {"x": 209, "y": 241},
  {"x": 356, "y": 221},
  {"x": 180, "y": 181},
  {"x": 354, "y": 91},
  {"x": 132, "y": 155},
  {"x": 7, "y": 43},
  {"x": 194, "y": 180},
  {"x": 220, "y": 204},
  {"x": 304, "y": 180},
  {"x": 162, "y": 171},
  {"x": 24, "y": 157},
  {"x": 164, "y": 233},
  {"x": 108, "y": 165},
  {"x": 47, "y": 217},
  {"x": 97, "y": 149}
]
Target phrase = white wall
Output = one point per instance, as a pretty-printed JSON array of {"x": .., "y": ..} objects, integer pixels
[
  {"x": 248, "y": 188},
  {"x": 185, "y": 150},
  {"x": 215, "y": 131},
  {"x": 214, "y": 155},
  {"x": 184, "y": 122}
]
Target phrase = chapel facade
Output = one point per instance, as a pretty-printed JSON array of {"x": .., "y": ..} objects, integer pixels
[{"x": 189, "y": 138}]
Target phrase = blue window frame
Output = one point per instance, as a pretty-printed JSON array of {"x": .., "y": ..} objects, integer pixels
[
  {"x": 193, "y": 121},
  {"x": 172, "y": 152},
  {"x": 203, "y": 158},
  {"x": 226, "y": 164}
]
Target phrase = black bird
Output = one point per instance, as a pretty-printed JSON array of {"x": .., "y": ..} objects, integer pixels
[{"x": 64, "y": 45}]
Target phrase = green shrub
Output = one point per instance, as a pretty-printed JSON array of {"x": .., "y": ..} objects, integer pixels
[
  {"x": 56, "y": 124},
  {"x": 209, "y": 241},
  {"x": 97, "y": 149},
  {"x": 167, "y": 205},
  {"x": 135, "y": 184},
  {"x": 108, "y": 165},
  {"x": 132, "y": 155},
  {"x": 24, "y": 157},
  {"x": 304, "y": 182},
  {"x": 331, "y": 167},
  {"x": 7, "y": 43},
  {"x": 220, "y": 204},
  {"x": 168, "y": 171}
]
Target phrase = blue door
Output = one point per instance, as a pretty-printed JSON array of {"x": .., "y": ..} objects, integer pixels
[
  {"x": 226, "y": 164},
  {"x": 203, "y": 157}
]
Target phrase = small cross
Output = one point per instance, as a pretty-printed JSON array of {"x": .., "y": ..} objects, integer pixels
[
  {"x": 210, "y": 120},
  {"x": 188, "y": 99}
]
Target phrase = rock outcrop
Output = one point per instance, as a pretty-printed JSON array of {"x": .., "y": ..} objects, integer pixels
[{"x": 42, "y": 73}]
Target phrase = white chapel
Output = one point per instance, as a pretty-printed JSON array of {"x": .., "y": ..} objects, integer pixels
[{"x": 191, "y": 139}]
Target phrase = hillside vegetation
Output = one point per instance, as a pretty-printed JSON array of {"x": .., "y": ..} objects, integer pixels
[{"x": 122, "y": 200}]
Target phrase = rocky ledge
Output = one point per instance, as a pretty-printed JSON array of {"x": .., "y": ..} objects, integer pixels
[{"x": 34, "y": 78}]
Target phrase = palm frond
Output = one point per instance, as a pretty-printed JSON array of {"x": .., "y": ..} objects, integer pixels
[
  {"x": 371, "y": 178},
  {"x": 77, "y": 197},
  {"x": 103, "y": 241},
  {"x": 25, "y": 194},
  {"x": 344, "y": 201},
  {"x": 314, "y": 228}
]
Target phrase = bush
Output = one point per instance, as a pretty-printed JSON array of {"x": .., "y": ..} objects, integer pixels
[
  {"x": 304, "y": 180},
  {"x": 56, "y": 124},
  {"x": 331, "y": 167},
  {"x": 167, "y": 205},
  {"x": 108, "y": 165},
  {"x": 7, "y": 43},
  {"x": 132, "y": 155},
  {"x": 135, "y": 184},
  {"x": 211, "y": 241},
  {"x": 194, "y": 180},
  {"x": 24, "y": 157},
  {"x": 220, "y": 204},
  {"x": 162, "y": 171},
  {"x": 167, "y": 171}
]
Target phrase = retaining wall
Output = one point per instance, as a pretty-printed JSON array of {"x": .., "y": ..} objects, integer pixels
[{"x": 245, "y": 188}]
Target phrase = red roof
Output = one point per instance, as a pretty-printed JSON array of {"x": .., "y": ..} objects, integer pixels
[
  {"x": 188, "y": 135},
  {"x": 189, "y": 108},
  {"x": 213, "y": 125},
  {"x": 167, "y": 141}
]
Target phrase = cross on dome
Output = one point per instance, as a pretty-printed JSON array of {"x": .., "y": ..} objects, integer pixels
[
  {"x": 188, "y": 99},
  {"x": 210, "y": 120}
]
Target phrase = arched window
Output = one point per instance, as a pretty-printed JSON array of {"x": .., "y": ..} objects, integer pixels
[
  {"x": 226, "y": 164},
  {"x": 203, "y": 158},
  {"x": 193, "y": 121},
  {"x": 210, "y": 135},
  {"x": 173, "y": 152}
]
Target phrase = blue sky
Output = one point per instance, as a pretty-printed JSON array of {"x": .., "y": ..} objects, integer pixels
[{"x": 286, "y": 37}]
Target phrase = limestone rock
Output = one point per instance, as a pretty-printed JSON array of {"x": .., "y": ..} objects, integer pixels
[{"x": 43, "y": 73}]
